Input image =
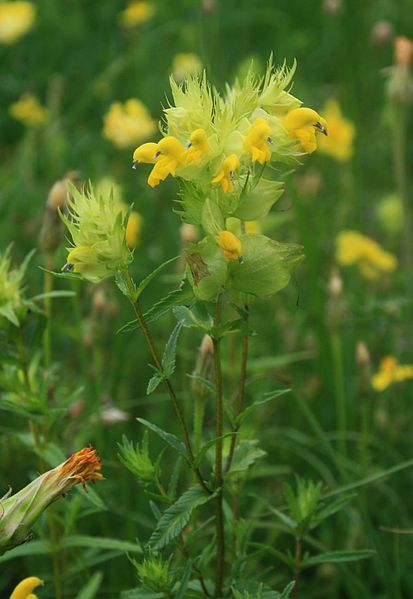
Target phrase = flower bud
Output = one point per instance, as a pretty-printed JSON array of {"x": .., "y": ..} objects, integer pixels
[{"x": 19, "y": 512}]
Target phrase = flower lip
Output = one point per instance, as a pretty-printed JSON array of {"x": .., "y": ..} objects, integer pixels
[
  {"x": 321, "y": 128},
  {"x": 158, "y": 153}
]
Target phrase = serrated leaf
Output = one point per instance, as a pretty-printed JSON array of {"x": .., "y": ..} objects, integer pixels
[
  {"x": 176, "y": 517},
  {"x": 334, "y": 506},
  {"x": 169, "y": 356},
  {"x": 289, "y": 522},
  {"x": 91, "y": 587},
  {"x": 260, "y": 402},
  {"x": 154, "y": 382},
  {"x": 208, "y": 446},
  {"x": 335, "y": 557},
  {"x": 169, "y": 438},
  {"x": 246, "y": 454}
]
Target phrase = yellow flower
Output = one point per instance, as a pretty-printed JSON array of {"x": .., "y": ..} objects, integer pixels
[
  {"x": 170, "y": 153},
  {"x": 257, "y": 140},
  {"x": 28, "y": 110},
  {"x": 303, "y": 124},
  {"x": 24, "y": 589},
  {"x": 127, "y": 124},
  {"x": 227, "y": 172},
  {"x": 390, "y": 372},
  {"x": 133, "y": 229},
  {"x": 136, "y": 13},
  {"x": 197, "y": 147},
  {"x": 184, "y": 65},
  {"x": 339, "y": 142},
  {"x": 372, "y": 260},
  {"x": 231, "y": 245},
  {"x": 16, "y": 19},
  {"x": 146, "y": 153}
]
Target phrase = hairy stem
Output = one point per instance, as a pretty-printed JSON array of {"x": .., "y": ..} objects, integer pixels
[
  {"x": 219, "y": 480},
  {"x": 171, "y": 392}
]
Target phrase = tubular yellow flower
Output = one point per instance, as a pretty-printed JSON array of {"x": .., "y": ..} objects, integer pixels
[
  {"x": 372, "y": 260},
  {"x": 169, "y": 155},
  {"x": 184, "y": 65},
  {"x": 28, "y": 110},
  {"x": 136, "y": 13},
  {"x": 339, "y": 142},
  {"x": 19, "y": 512},
  {"x": 127, "y": 124},
  {"x": 231, "y": 245},
  {"x": 25, "y": 588},
  {"x": 257, "y": 140},
  {"x": 16, "y": 19},
  {"x": 390, "y": 372},
  {"x": 226, "y": 175},
  {"x": 303, "y": 124},
  {"x": 145, "y": 154},
  {"x": 98, "y": 231},
  {"x": 133, "y": 229},
  {"x": 197, "y": 147}
]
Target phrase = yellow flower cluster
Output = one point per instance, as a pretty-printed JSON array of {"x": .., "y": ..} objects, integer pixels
[
  {"x": 98, "y": 228},
  {"x": 372, "y": 260},
  {"x": 16, "y": 19},
  {"x": 25, "y": 588},
  {"x": 28, "y": 110},
  {"x": 136, "y": 12},
  {"x": 339, "y": 142},
  {"x": 390, "y": 372},
  {"x": 127, "y": 124},
  {"x": 216, "y": 140}
]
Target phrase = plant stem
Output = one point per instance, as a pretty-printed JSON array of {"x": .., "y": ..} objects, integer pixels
[
  {"x": 239, "y": 402},
  {"x": 171, "y": 392},
  {"x": 219, "y": 480},
  {"x": 297, "y": 566}
]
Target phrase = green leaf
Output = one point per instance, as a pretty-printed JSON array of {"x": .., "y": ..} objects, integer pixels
[
  {"x": 207, "y": 268},
  {"x": 334, "y": 506},
  {"x": 169, "y": 356},
  {"x": 103, "y": 543},
  {"x": 289, "y": 522},
  {"x": 7, "y": 312},
  {"x": 271, "y": 551},
  {"x": 212, "y": 219},
  {"x": 169, "y": 438},
  {"x": 176, "y": 517},
  {"x": 29, "y": 548},
  {"x": 63, "y": 275},
  {"x": 154, "y": 381},
  {"x": 195, "y": 317},
  {"x": 53, "y": 294},
  {"x": 145, "y": 282},
  {"x": 257, "y": 202},
  {"x": 91, "y": 588},
  {"x": 267, "y": 265},
  {"x": 260, "y": 402},
  {"x": 246, "y": 454},
  {"x": 335, "y": 557},
  {"x": 175, "y": 298},
  {"x": 208, "y": 446}
]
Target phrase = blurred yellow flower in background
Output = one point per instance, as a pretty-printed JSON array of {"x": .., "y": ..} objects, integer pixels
[
  {"x": 24, "y": 589},
  {"x": 372, "y": 260},
  {"x": 127, "y": 124},
  {"x": 136, "y": 13},
  {"x": 185, "y": 64},
  {"x": 339, "y": 142},
  {"x": 16, "y": 19},
  {"x": 28, "y": 110},
  {"x": 390, "y": 372}
]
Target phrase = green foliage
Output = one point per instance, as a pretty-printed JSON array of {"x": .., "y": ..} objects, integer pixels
[{"x": 137, "y": 459}]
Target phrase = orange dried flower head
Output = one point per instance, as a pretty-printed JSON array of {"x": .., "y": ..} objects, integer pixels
[
  {"x": 81, "y": 467},
  {"x": 20, "y": 511}
]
